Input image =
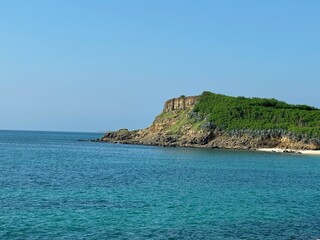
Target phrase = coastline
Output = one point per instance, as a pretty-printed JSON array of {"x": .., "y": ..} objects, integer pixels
[
  {"x": 270, "y": 150},
  {"x": 279, "y": 150}
]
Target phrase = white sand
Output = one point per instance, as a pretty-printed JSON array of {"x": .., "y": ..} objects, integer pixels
[{"x": 279, "y": 150}]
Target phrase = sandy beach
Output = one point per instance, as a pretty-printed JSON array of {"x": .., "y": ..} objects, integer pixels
[{"x": 279, "y": 150}]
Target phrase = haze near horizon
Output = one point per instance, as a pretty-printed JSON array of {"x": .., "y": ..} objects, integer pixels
[{"x": 97, "y": 66}]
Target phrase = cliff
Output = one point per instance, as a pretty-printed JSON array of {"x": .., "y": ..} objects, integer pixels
[
  {"x": 217, "y": 121},
  {"x": 182, "y": 103}
]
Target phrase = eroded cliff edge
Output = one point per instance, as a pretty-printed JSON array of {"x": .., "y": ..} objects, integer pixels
[{"x": 180, "y": 124}]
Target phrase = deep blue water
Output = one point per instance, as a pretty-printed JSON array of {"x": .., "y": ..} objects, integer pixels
[{"x": 55, "y": 187}]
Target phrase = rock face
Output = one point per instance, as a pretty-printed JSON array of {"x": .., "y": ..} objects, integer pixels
[
  {"x": 182, "y": 103},
  {"x": 178, "y": 125}
]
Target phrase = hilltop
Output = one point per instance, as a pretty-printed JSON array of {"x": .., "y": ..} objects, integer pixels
[{"x": 218, "y": 121}]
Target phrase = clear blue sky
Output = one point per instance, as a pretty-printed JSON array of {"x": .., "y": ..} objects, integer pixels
[{"x": 101, "y": 65}]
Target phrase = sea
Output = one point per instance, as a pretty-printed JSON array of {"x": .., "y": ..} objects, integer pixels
[{"x": 53, "y": 186}]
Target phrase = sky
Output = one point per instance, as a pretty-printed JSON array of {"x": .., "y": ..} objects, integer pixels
[{"x": 72, "y": 65}]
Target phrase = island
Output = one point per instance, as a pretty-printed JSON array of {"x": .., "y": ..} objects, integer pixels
[{"x": 219, "y": 121}]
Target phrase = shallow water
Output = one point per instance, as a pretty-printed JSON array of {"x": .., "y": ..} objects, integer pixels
[{"x": 54, "y": 187}]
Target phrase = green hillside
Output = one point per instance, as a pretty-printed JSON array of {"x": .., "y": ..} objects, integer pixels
[{"x": 240, "y": 113}]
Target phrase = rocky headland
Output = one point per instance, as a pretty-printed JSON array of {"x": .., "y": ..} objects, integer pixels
[{"x": 182, "y": 123}]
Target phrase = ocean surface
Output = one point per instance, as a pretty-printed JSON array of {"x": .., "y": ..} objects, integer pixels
[{"x": 55, "y": 187}]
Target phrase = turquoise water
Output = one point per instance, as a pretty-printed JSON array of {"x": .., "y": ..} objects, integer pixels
[{"x": 54, "y": 187}]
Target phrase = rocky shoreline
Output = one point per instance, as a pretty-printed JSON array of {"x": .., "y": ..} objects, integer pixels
[{"x": 177, "y": 126}]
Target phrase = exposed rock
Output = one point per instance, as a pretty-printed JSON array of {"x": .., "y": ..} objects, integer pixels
[
  {"x": 182, "y": 103},
  {"x": 178, "y": 125}
]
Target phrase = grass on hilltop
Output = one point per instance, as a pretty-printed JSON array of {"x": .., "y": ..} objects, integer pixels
[{"x": 240, "y": 113}]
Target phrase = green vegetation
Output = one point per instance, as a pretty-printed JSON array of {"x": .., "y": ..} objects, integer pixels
[
  {"x": 177, "y": 120},
  {"x": 256, "y": 114}
]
